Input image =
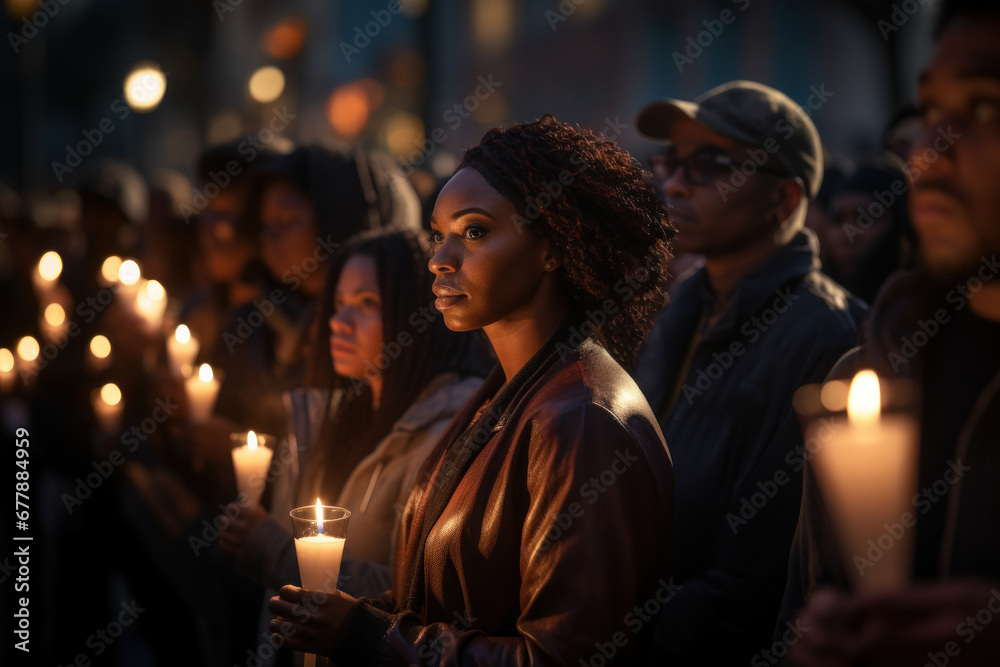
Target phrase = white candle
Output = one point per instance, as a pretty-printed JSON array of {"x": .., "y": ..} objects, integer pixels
[
  {"x": 8, "y": 376},
  {"x": 867, "y": 472},
  {"x": 99, "y": 355},
  {"x": 107, "y": 404},
  {"x": 202, "y": 390},
  {"x": 182, "y": 349},
  {"x": 127, "y": 286},
  {"x": 250, "y": 463},
  {"x": 319, "y": 557}
]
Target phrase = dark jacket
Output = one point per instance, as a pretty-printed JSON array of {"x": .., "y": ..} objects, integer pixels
[
  {"x": 971, "y": 542},
  {"x": 553, "y": 541},
  {"x": 733, "y": 436}
]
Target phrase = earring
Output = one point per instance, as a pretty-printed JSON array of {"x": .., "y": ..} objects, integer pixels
[{"x": 549, "y": 266}]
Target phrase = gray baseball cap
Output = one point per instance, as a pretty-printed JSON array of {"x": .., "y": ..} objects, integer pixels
[{"x": 752, "y": 113}]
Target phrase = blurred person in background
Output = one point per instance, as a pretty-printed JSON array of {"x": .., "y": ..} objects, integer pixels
[
  {"x": 869, "y": 235},
  {"x": 740, "y": 335}
]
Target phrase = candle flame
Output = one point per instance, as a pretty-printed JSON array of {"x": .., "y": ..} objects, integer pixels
[
  {"x": 205, "y": 373},
  {"x": 128, "y": 272},
  {"x": 55, "y": 314},
  {"x": 319, "y": 515},
  {"x": 27, "y": 348},
  {"x": 100, "y": 346},
  {"x": 155, "y": 290},
  {"x": 111, "y": 394},
  {"x": 183, "y": 334},
  {"x": 863, "y": 399},
  {"x": 50, "y": 265},
  {"x": 110, "y": 267},
  {"x": 6, "y": 360},
  {"x": 252, "y": 440}
]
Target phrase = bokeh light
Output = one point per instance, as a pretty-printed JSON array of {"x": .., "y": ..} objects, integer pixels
[
  {"x": 349, "y": 107},
  {"x": 111, "y": 394},
  {"x": 50, "y": 265},
  {"x": 128, "y": 272},
  {"x": 27, "y": 348},
  {"x": 100, "y": 346},
  {"x": 6, "y": 360},
  {"x": 145, "y": 86},
  {"x": 285, "y": 39},
  {"x": 403, "y": 132},
  {"x": 109, "y": 269},
  {"x": 55, "y": 315},
  {"x": 267, "y": 84}
]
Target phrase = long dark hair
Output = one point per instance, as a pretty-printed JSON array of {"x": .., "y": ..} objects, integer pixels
[{"x": 417, "y": 347}]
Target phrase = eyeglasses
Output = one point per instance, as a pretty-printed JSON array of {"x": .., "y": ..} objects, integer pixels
[{"x": 700, "y": 168}]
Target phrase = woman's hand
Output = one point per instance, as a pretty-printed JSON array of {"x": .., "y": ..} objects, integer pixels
[
  {"x": 308, "y": 621},
  {"x": 232, "y": 538}
]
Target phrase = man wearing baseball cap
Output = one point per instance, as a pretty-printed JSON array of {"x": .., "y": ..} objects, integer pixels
[{"x": 756, "y": 321}]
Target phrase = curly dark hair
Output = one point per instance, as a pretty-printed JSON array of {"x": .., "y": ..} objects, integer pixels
[{"x": 598, "y": 209}]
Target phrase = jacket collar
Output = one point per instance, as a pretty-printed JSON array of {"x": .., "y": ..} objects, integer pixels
[{"x": 757, "y": 289}]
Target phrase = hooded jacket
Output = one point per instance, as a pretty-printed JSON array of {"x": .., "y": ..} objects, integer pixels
[
  {"x": 553, "y": 547},
  {"x": 733, "y": 436}
]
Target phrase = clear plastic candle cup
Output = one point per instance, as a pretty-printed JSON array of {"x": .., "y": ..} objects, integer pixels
[{"x": 320, "y": 532}]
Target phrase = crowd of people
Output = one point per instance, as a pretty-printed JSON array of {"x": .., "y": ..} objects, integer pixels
[{"x": 556, "y": 397}]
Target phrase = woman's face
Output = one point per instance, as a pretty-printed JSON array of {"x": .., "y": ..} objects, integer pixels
[
  {"x": 488, "y": 267},
  {"x": 288, "y": 231},
  {"x": 356, "y": 321}
]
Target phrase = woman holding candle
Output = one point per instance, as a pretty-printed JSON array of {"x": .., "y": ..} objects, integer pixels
[
  {"x": 540, "y": 524},
  {"x": 398, "y": 376}
]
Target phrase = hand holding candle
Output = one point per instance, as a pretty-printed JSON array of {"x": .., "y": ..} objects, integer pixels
[
  {"x": 320, "y": 533},
  {"x": 251, "y": 458}
]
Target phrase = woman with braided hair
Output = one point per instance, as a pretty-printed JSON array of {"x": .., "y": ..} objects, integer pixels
[{"x": 538, "y": 530}]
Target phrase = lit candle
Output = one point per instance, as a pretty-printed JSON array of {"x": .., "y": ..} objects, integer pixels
[
  {"x": 250, "y": 463},
  {"x": 8, "y": 376},
  {"x": 107, "y": 404},
  {"x": 319, "y": 557},
  {"x": 47, "y": 273},
  {"x": 109, "y": 270},
  {"x": 99, "y": 356},
  {"x": 53, "y": 324},
  {"x": 182, "y": 349},
  {"x": 127, "y": 286},
  {"x": 27, "y": 354},
  {"x": 202, "y": 390},
  {"x": 150, "y": 304},
  {"x": 867, "y": 471}
]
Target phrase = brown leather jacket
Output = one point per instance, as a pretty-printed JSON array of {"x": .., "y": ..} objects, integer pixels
[{"x": 553, "y": 549}]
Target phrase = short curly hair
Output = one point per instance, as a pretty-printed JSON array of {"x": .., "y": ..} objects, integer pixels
[{"x": 598, "y": 209}]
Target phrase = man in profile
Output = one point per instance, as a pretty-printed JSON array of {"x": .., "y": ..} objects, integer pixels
[{"x": 741, "y": 334}]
